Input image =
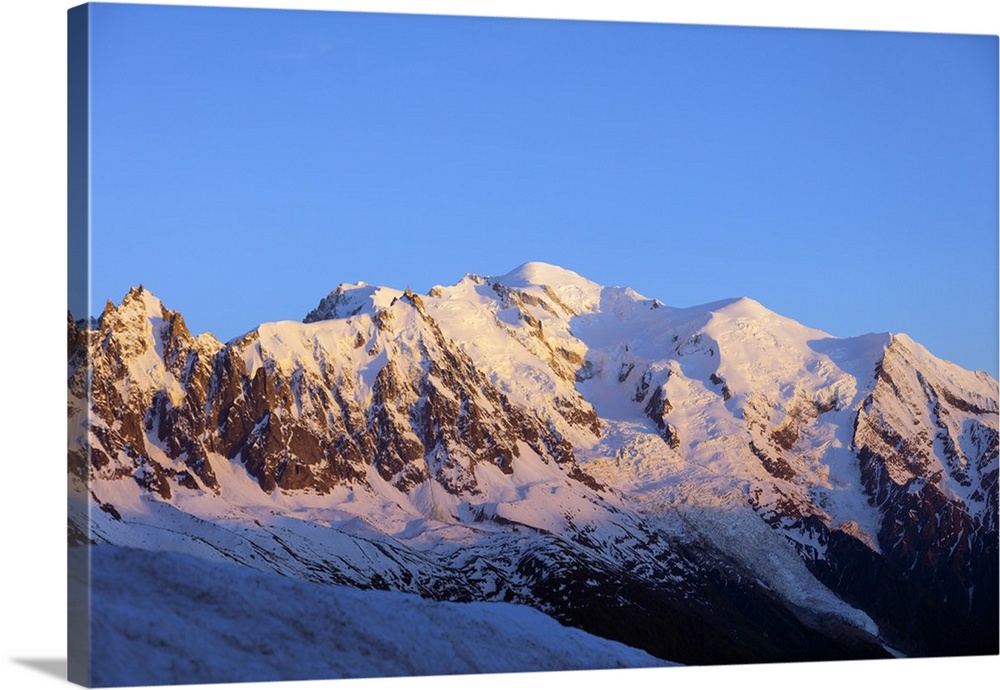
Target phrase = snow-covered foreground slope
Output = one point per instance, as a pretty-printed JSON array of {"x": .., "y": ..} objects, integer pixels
[
  {"x": 165, "y": 618},
  {"x": 710, "y": 484}
]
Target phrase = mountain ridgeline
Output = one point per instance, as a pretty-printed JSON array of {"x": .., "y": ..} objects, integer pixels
[{"x": 716, "y": 484}]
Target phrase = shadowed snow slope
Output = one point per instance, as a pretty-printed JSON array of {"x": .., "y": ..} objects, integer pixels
[{"x": 155, "y": 614}]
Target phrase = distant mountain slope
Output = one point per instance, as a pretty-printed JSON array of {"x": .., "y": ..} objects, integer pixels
[{"x": 710, "y": 484}]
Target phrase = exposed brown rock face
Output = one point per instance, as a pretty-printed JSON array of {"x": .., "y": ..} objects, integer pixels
[
  {"x": 304, "y": 428},
  {"x": 927, "y": 536},
  {"x": 657, "y": 410}
]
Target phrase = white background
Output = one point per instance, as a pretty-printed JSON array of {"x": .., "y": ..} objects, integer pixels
[{"x": 32, "y": 317}]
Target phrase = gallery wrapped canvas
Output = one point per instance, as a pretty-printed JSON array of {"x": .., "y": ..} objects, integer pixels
[{"x": 381, "y": 358}]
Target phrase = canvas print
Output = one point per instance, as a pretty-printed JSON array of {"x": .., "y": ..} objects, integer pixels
[{"x": 407, "y": 345}]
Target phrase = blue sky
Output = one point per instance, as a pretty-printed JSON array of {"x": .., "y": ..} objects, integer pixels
[{"x": 245, "y": 162}]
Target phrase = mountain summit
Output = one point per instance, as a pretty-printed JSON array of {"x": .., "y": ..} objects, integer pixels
[{"x": 713, "y": 484}]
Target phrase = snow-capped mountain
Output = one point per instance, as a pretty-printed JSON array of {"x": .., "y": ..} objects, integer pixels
[{"x": 710, "y": 484}]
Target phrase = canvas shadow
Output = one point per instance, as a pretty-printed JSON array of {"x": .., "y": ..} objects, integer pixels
[{"x": 55, "y": 667}]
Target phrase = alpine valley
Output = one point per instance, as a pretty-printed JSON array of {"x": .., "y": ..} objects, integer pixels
[{"x": 709, "y": 485}]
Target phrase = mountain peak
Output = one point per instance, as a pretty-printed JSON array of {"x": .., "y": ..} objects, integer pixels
[
  {"x": 741, "y": 306},
  {"x": 138, "y": 305},
  {"x": 540, "y": 274},
  {"x": 572, "y": 289},
  {"x": 351, "y": 299}
]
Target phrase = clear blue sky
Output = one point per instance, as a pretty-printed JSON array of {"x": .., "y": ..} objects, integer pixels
[{"x": 245, "y": 162}]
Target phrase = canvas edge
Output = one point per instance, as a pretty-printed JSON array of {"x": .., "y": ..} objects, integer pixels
[{"x": 78, "y": 300}]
